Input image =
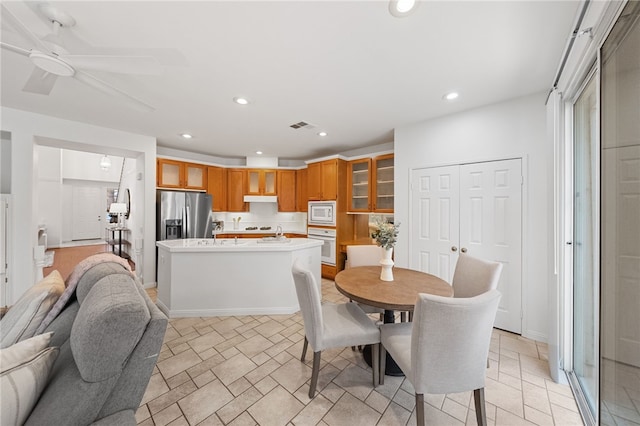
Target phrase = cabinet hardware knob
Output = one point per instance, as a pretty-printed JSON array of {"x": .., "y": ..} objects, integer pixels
[
  {"x": 464, "y": 250},
  {"x": 454, "y": 248}
]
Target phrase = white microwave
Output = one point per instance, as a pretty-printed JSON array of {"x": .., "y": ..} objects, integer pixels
[{"x": 321, "y": 213}]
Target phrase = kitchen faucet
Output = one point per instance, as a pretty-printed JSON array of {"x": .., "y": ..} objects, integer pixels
[{"x": 279, "y": 232}]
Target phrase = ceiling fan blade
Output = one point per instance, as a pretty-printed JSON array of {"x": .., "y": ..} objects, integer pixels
[
  {"x": 40, "y": 82},
  {"x": 23, "y": 30},
  {"x": 104, "y": 87},
  {"x": 143, "y": 65},
  {"x": 16, "y": 49}
]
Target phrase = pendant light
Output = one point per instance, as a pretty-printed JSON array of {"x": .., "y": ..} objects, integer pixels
[{"x": 105, "y": 163}]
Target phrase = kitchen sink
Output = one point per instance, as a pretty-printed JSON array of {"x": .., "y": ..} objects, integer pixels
[
  {"x": 276, "y": 240},
  {"x": 231, "y": 242}
]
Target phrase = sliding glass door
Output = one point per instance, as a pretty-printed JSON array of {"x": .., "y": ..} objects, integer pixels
[
  {"x": 585, "y": 243},
  {"x": 620, "y": 258}
]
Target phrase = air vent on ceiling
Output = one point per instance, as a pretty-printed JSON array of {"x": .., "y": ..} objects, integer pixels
[{"x": 303, "y": 125}]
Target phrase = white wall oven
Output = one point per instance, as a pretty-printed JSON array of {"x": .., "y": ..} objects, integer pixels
[
  {"x": 321, "y": 213},
  {"x": 328, "y": 249}
]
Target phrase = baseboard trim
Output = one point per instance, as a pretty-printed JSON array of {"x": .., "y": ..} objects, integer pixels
[{"x": 225, "y": 312}]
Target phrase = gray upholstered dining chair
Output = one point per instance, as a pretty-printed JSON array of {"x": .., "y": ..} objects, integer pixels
[
  {"x": 474, "y": 276},
  {"x": 328, "y": 325},
  {"x": 445, "y": 348},
  {"x": 365, "y": 255}
]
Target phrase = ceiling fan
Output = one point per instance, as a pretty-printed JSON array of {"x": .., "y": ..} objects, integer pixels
[{"x": 52, "y": 60}]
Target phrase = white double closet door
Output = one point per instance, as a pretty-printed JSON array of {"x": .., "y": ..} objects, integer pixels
[{"x": 474, "y": 209}]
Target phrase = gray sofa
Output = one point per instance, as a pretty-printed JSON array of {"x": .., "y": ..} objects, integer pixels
[{"x": 109, "y": 338}]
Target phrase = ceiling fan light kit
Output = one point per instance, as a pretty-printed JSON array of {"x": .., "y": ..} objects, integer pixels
[{"x": 51, "y": 64}]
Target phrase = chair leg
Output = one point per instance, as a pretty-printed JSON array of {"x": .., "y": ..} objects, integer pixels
[
  {"x": 375, "y": 363},
  {"x": 304, "y": 349},
  {"x": 419, "y": 409},
  {"x": 403, "y": 316},
  {"x": 481, "y": 410},
  {"x": 382, "y": 360},
  {"x": 314, "y": 374},
  {"x": 410, "y": 316}
]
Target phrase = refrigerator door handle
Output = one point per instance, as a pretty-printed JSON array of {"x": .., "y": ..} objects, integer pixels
[{"x": 189, "y": 233}]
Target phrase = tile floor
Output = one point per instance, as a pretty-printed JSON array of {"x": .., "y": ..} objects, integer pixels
[{"x": 246, "y": 371}]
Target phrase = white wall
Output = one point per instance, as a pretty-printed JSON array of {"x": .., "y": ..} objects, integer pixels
[
  {"x": 513, "y": 129},
  {"x": 48, "y": 207},
  {"x": 5, "y": 162},
  {"x": 86, "y": 166},
  {"x": 27, "y": 131}
]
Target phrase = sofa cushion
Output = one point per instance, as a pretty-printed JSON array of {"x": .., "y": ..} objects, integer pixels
[
  {"x": 25, "y": 316},
  {"x": 95, "y": 274},
  {"x": 111, "y": 319},
  {"x": 24, "y": 371}
]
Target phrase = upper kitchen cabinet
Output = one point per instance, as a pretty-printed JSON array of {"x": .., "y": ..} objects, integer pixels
[
  {"x": 236, "y": 185},
  {"x": 322, "y": 180},
  {"x": 217, "y": 187},
  {"x": 286, "y": 190},
  {"x": 383, "y": 180},
  {"x": 261, "y": 182},
  {"x": 370, "y": 184},
  {"x": 301, "y": 190},
  {"x": 359, "y": 185},
  {"x": 178, "y": 174}
]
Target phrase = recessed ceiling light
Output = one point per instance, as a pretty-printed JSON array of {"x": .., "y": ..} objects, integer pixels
[
  {"x": 322, "y": 133},
  {"x": 402, "y": 8},
  {"x": 450, "y": 96},
  {"x": 186, "y": 135},
  {"x": 259, "y": 152},
  {"x": 241, "y": 100}
]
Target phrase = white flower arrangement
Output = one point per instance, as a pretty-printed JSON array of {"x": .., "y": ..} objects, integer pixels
[{"x": 386, "y": 235}]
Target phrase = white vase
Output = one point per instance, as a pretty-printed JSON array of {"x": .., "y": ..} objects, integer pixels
[{"x": 386, "y": 274}]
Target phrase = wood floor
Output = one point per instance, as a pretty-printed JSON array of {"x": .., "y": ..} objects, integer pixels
[{"x": 67, "y": 258}]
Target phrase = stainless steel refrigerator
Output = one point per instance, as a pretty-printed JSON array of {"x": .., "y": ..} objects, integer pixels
[{"x": 181, "y": 214}]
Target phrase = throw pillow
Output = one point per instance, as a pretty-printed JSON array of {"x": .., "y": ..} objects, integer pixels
[
  {"x": 16, "y": 354},
  {"x": 24, "y": 373},
  {"x": 27, "y": 313}
]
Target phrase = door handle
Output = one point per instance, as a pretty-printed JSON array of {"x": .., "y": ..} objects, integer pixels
[
  {"x": 463, "y": 249},
  {"x": 454, "y": 248}
]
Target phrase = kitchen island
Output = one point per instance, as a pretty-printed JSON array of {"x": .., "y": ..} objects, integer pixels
[{"x": 206, "y": 277}]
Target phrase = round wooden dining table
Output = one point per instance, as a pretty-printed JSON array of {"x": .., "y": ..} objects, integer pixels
[{"x": 363, "y": 284}]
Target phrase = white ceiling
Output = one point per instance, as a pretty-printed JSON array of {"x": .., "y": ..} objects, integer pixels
[{"x": 348, "y": 67}]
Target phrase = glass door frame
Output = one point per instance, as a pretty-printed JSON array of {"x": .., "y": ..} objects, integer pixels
[{"x": 589, "y": 417}]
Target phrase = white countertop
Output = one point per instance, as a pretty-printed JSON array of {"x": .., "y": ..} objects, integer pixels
[
  {"x": 261, "y": 231},
  {"x": 199, "y": 245}
]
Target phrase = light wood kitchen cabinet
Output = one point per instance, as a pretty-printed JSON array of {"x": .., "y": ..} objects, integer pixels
[
  {"x": 301, "y": 190},
  {"x": 236, "y": 187},
  {"x": 370, "y": 184},
  {"x": 359, "y": 185},
  {"x": 322, "y": 180},
  {"x": 261, "y": 182},
  {"x": 179, "y": 174},
  {"x": 217, "y": 187},
  {"x": 382, "y": 180},
  {"x": 314, "y": 181},
  {"x": 286, "y": 190}
]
